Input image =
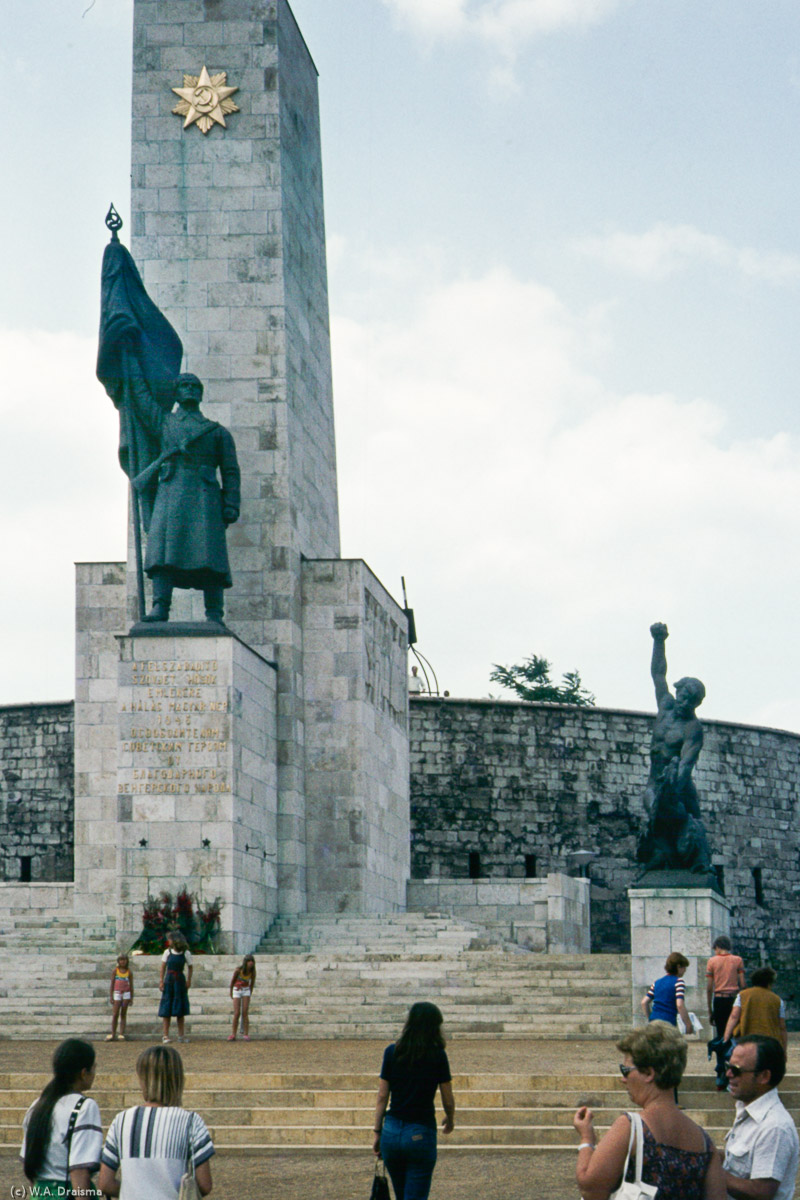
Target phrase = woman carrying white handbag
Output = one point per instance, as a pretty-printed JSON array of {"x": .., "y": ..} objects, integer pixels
[{"x": 661, "y": 1153}]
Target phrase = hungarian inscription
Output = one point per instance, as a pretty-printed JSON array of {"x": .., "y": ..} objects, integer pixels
[{"x": 174, "y": 729}]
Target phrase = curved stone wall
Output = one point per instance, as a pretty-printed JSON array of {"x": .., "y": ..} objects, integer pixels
[
  {"x": 524, "y": 785},
  {"x": 521, "y": 786}
]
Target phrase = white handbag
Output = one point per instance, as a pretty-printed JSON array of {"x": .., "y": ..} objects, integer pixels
[{"x": 636, "y": 1190}]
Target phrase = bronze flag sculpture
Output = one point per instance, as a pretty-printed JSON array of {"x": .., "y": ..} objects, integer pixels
[{"x": 171, "y": 458}]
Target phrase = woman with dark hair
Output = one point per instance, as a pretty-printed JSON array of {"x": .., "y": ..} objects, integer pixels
[
  {"x": 151, "y": 1144},
  {"x": 62, "y": 1137},
  {"x": 413, "y": 1068},
  {"x": 757, "y": 1009}
]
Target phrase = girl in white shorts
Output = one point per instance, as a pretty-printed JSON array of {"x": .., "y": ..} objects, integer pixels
[
  {"x": 243, "y": 983},
  {"x": 121, "y": 997}
]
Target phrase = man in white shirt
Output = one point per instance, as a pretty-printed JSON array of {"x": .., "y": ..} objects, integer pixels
[
  {"x": 415, "y": 683},
  {"x": 762, "y": 1148}
]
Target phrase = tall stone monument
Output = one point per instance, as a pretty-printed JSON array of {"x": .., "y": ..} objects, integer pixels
[{"x": 293, "y": 718}]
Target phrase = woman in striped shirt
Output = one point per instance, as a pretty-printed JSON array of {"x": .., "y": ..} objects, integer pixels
[
  {"x": 150, "y": 1145},
  {"x": 667, "y": 994}
]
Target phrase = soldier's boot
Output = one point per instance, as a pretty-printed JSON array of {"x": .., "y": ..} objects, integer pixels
[
  {"x": 162, "y": 600},
  {"x": 213, "y": 597}
]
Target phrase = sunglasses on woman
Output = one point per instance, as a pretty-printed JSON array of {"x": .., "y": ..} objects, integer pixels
[{"x": 625, "y": 1071}]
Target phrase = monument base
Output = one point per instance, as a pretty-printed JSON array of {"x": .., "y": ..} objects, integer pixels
[
  {"x": 179, "y": 628},
  {"x": 197, "y": 779},
  {"x": 679, "y": 880},
  {"x": 674, "y": 918}
]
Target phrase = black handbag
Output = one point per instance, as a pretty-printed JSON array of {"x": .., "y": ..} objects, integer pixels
[{"x": 380, "y": 1184}]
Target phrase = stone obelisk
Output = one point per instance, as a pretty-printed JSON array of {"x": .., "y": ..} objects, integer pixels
[{"x": 228, "y": 232}]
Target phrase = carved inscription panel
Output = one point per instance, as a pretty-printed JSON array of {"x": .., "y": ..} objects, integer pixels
[{"x": 174, "y": 729}]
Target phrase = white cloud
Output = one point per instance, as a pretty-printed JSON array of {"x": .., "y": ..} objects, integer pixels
[
  {"x": 63, "y": 500},
  {"x": 533, "y": 510},
  {"x": 665, "y": 250},
  {"x": 501, "y": 24}
]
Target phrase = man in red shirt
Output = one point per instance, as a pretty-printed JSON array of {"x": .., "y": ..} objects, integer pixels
[{"x": 724, "y": 981}]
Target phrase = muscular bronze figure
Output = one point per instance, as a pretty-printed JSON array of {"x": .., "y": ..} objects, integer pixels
[{"x": 674, "y": 838}]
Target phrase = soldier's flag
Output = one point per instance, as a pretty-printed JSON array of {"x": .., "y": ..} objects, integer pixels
[
  {"x": 137, "y": 348},
  {"x": 138, "y": 351}
]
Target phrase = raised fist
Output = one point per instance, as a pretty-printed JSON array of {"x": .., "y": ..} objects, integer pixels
[{"x": 659, "y": 631}]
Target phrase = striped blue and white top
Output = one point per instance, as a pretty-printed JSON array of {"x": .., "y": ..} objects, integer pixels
[{"x": 151, "y": 1146}]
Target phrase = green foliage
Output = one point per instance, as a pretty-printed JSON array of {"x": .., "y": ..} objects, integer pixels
[
  {"x": 531, "y": 681},
  {"x": 161, "y": 915}
]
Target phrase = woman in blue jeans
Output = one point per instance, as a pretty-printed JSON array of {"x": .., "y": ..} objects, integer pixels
[{"x": 412, "y": 1069}]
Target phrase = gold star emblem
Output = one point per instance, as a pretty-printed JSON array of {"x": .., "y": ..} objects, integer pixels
[{"x": 205, "y": 99}]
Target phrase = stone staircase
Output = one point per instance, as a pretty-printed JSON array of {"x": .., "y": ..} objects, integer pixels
[
  {"x": 52, "y": 994},
  {"x": 252, "y": 1112},
  {"x": 21, "y": 929},
  {"x": 396, "y": 933}
]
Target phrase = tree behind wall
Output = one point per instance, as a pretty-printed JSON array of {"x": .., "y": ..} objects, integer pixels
[{"x": 531, "y": 681}]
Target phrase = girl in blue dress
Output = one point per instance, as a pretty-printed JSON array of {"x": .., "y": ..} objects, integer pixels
[{"x": 174, "y": 985}]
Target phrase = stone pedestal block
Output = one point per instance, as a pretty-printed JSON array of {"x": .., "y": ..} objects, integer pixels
[
  {"x": 356, "y": 748},
  {"x": 549, "y": 915},
  {"x": 196, "y": 780},
  {"x": 99, "y": 617},
  {"x": 666, "y": 919}
]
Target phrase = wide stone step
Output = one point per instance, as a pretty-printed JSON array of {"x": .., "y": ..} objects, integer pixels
[
  {"x": 257, "y": 1111},
  {"x": 248, "y": 1137}
]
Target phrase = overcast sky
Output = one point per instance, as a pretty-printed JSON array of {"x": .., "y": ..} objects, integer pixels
[{"x": 564, "y": 265}]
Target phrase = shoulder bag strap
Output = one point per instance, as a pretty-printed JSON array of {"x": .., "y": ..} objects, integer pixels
[
  {"x": 631, "y": 1117},
  {"x": 73, "y": 1117},
  {"x": 190, "y": 1162},
  {"x": 638, "y": 1130}
]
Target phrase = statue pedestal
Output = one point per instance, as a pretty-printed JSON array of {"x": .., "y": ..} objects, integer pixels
[
  {"x": 664, "y": 919},
  {"x": 197, "y": 779}
]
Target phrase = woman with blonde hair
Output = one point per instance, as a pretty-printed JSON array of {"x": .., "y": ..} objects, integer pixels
[
  {"x": 678, "y": 1156},
  {"x": 152, "y": 1145}
]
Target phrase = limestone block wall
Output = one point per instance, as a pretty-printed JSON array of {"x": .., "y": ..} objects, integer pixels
[
  {"x": 549, "y": 915},
  {"x": 48, "y": 901},
  {"x": 357, "y": 822},
  {"x": 521, "y": 786},
  {"x": 100, "y": 616},
  {"x": 36, "y": 819}
]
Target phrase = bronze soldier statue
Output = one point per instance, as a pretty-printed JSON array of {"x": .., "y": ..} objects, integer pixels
[
  {"x": 171, "y": 458},
  {"x": 186, "y": 540},
  {"x": 674, "y": 838}
]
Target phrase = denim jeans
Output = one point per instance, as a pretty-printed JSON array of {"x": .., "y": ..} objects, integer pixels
[{"x": 409, "y": 1152}]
